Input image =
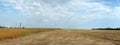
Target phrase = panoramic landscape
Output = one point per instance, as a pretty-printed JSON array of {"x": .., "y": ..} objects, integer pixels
[{"x": 59, "y": 22}]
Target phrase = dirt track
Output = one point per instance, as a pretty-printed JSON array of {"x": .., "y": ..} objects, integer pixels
[{"x": 59, "y": 38}]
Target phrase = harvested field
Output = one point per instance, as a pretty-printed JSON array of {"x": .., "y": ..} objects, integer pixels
[
  {"x": 6, "y": 33},
  {"x": 68, "y": 37}
]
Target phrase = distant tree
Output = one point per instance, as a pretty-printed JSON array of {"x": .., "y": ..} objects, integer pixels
[
  {"x": 108, "y": 28},
  {"x": 23, "y": 27},
  {"x": 2, "y": 27},
  {"x": 10, "y": 27}
]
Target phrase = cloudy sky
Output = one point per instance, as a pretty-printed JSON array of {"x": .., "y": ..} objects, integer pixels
[{"x": 60, "y": 13}]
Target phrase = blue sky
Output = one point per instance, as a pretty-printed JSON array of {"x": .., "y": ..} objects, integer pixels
[{"x": 60, "y": 13}]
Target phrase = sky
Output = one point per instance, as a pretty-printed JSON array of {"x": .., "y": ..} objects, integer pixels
[{"x": 60, "y": 13}]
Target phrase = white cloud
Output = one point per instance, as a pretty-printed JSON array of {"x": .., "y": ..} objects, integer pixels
[
  {"x": 43, "y": 7},
  {"x": 60, "y": 11},
  {"x": 45, "y": 20},
  {"x": 115, "y": 11}
]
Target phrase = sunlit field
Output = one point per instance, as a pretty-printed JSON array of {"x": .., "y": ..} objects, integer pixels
[
  {"x": 6, "y": 33},
  {"x": 48, "y": 36},
  {"x": 106, "y": 34}
]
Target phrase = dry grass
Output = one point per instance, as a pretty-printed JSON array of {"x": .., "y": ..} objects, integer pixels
[
  {"x": 6, "y": 33},
  {"x": 112, "y": 35},
  {"x": 67, "y": 37}
]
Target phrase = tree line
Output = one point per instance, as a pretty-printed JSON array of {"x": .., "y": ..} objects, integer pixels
[
  {"x": 3, "y": 27},
  {"x": 10, "y": 27},
  {"x": 108, "y": 28}
]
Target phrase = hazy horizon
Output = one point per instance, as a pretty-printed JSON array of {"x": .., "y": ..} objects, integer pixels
[{"x": 60, "y": 13}]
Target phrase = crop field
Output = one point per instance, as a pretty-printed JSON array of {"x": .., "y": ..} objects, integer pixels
[
  {"x": 6, "y": 33},
  {"x": 59, "y": 37},
  {"x": 106, "y": 34}
]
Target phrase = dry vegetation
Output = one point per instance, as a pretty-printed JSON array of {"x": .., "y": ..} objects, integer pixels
[
  {"x": 6, "y": 33},
  {"x": 67, "y": 37},
  {"x": 111, "y": 35}
]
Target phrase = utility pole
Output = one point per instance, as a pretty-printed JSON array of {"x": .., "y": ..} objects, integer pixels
[{"x": 20, "y": 25}]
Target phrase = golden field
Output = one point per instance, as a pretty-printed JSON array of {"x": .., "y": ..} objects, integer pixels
[
  {"x": 59, "y": 37},
  {"x": 6, "y": 33}
]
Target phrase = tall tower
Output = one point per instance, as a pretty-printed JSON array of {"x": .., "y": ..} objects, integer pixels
[{"x": 20, "y": 26}]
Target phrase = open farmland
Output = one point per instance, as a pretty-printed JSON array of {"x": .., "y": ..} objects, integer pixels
[
  {"x": 68, "y": 37},
  {"x": 6, "y": 33}
]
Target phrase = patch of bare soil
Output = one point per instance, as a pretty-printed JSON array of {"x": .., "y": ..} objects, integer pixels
[{"x": 59, "y": 38}]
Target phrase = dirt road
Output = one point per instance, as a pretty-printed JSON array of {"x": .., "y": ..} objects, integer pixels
[{"x": 59, "y": 38}]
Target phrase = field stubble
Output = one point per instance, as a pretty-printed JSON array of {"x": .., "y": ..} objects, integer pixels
[
  {"x": 68, "y": 37},
  {"x": 6, "y": 33}
]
